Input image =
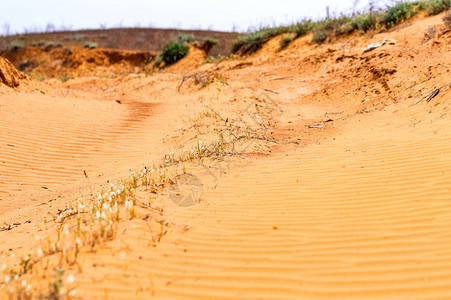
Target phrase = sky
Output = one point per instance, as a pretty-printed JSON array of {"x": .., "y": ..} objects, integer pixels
[{"x": 17, "y": 16}]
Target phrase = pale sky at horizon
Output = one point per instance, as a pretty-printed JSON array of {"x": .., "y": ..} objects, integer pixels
[{"x": 194, "y": 14}]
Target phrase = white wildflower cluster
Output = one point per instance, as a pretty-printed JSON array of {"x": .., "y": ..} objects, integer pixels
[
  {"x": 39, "y": 253},
  {"x": 129, "y": 204},
  {"x": 202, "y": 148},
  {"x": 78, "y": 209},
  {"x": 25, "y": 286}
]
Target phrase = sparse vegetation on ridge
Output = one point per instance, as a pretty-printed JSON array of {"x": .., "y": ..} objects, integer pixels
[
  {"x": 341, "y": 25},
  {"x": 249, "y": 43},
  {"x": 285, "y": 41}
]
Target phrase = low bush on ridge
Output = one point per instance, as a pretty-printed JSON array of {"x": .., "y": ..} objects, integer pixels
[
  {"x": 338, "y": 26},
  {"x": 398, "y": 13},
  {"x": 212, "y": 41},
  {"x": 174, "y": 52}
]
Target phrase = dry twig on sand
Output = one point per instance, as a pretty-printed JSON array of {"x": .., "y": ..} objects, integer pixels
[{"x": 199, "y": 77}]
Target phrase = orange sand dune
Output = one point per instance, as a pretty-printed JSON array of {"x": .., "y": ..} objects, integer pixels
[{"x": 362, "y": 215}]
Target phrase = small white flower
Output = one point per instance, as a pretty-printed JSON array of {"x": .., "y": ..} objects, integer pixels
[
  {"x": 7, "y": 279},
  {"x": 129, "y": 204},
  {"x": 70, "y": 279},
  {"x": 24, "y": 283},
  {"x": 63, "y": 290}
]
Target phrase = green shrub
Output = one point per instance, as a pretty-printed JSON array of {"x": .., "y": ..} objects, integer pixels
[
  {"x": 211, "y": 41},
  {"x": 15, "y": 45},
  {"x": 174, "y": 52},
  {"x": 365, "y": 22},
  {"x": 320, "y": 36},
  {"x": 90, "y": 45},
  {"x": 184, "y": 38},
  {"x": 344, "y": 29},
  {"x": 337, "y": 26},
  {"x": 398, "y": 13},
  {"x": 301, "y": 28},
  {"x": 434, "y": 7},
  {"x": 285, "y": 41}
]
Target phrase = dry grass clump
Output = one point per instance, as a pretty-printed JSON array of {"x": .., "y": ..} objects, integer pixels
[{"x": 202, "y": 78}]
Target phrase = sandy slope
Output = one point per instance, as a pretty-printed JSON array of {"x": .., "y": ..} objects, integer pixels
[
  {"x": 355, "y": 207},
  {"x": 365, "y": 215},
  {"x": 362, "y": 215}
]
